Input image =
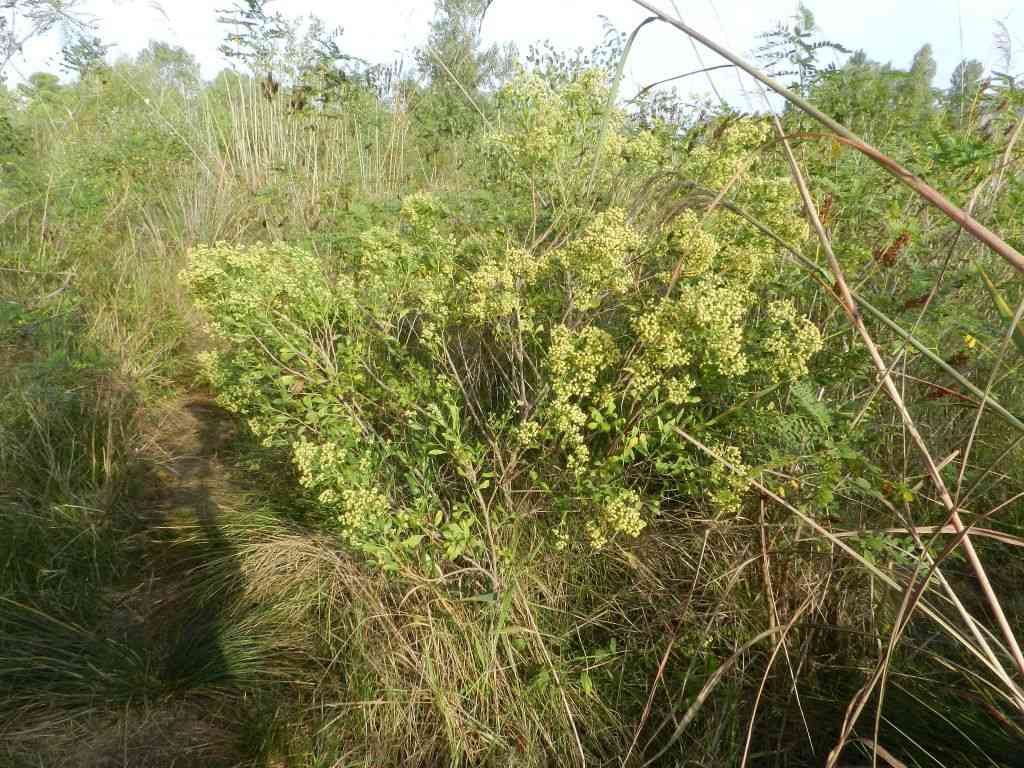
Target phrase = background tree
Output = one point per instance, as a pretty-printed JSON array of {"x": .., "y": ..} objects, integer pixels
[
  {"x": 458, "y": 70},
  {"x": 918, "y": 94},
  {"x": 41, "y": 86},
  {"x": 253, "y": 34},
  {"x": 301, "y": 53},
  {"x": 25, "y": 20},
  {"x": 172, "y": 65},
  {"x": 84, "y": 54},
  {"x": 964, "y": 88}
]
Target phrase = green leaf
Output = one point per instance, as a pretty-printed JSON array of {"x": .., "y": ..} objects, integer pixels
[
  {"x": 1005, "y": 311},
  {"x": 803, "y": 394},
  {"x": 542, "y": 679},
  {"x": 586, "y": 683}
]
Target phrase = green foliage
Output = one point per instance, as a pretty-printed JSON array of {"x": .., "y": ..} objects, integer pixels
[
  {"x": 459, "y": 74},
  {"x": 559, "y": 67},
  {"x": 454, "y": 55},
  {"x": 440, "y": 357},
  {"x": 471, "y": 327},
  {"x": 965, "y": 88},
  {"x": 921, "y": 96},
  {"x": 84, "y": 56},
  {"x": 171, "y": 66},
  {"x": 26, "y": 20},
  {"x": 792, "y": 49},
  {"x": 254, "y": 33},
  {"x": 300, "y": 53}
]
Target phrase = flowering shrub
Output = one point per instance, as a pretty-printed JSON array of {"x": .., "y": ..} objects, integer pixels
[
  {"x": 458, "y": 374},
  {"x": 547, "y": 138}
]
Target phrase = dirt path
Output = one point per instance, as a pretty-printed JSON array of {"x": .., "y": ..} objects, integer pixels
[
  {"x": 183, "y": 531},
  {"x": 169, "y": 697}
]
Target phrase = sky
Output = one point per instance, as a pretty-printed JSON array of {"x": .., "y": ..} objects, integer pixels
[{"x": 383, "y": 30}]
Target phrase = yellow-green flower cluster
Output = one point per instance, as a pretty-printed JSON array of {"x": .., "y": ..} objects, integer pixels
[
  {"x": 363, "y": 509},
  {"x": 381, "y": 250},
  {"x": 598, "y": 262},
  {"x": 528, "y": 433},
  {"x": 212, "y": 367},
  {"x": 547, "y": 139},
  {"x": 343, "y": 483},
  {"x": 422, "y": 211},
  {"x": 541, "y": 119},
  {"x": 664, "y": 354},
  {"x": 621, "y": 513},
  {"x": 576, "y": 359},
  {"x": 718, "y": 162},
  {"x": 744, "y": 260},
  {"x": 645, "y": 152},
  {"x": 238, "y": 286},
  {"x": 237, "y": 380},
  {"x": 689, "y": 243},
  {"x": 496, "y": 287},
  {"x": 731, "y": 160},
  {"x": 729, "y": 480},
  {"x": 776, "y": 203},
  {"x": 535, "y": 115},
  {"x": 714, "y": 313},
  {"x": 791, "y": 344},
  {"x": 410, "y": 270},
  {"x": 320, "y": 464}
]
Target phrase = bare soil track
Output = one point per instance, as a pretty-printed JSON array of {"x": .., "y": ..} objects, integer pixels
[{"x": 180, "y": 705}]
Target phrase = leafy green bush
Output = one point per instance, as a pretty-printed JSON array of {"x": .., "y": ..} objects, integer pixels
[{"x": 448, "y": 379}]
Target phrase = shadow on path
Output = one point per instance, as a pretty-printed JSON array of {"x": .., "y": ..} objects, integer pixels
[
  {"x": 159, "y": 670},
  {"x": 200, "y": 566}
]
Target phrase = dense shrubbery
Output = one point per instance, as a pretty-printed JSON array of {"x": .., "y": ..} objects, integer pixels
[
  {"x": 474, "y": 333},
  {"x": 451, "y": 376}
]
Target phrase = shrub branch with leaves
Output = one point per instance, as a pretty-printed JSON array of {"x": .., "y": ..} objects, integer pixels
[{"x": 448, "y": 378}]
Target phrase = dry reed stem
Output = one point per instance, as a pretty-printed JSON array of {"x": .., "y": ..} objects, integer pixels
[
  {"x": 714, "y": 679},
  {"x": 894, "y": 394},
  {"x": 988, "y": 389},
  {"x": 871, "y": 568},
  {"x": 773, "y": 619},
  {"x": 951, "y": 507},
  {"x": 984, "y": 533},
  {"x": 780, "y": 645}
]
